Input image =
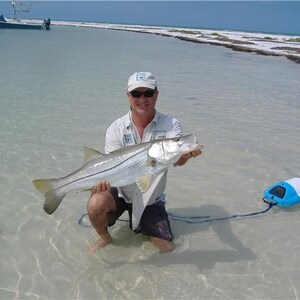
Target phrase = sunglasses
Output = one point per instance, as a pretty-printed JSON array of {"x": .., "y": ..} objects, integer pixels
[{"x": 138, "y": 94}]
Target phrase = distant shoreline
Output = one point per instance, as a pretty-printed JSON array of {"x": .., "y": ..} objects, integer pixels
[{"x": 259, "y": 43}]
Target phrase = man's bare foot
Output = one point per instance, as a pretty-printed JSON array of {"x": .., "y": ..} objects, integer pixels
[
  {"x": 162, "y": 245},
  {"x": 100, "y": 243}
]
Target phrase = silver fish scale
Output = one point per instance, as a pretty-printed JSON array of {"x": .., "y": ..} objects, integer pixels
[{"x": 129, "y": 170}]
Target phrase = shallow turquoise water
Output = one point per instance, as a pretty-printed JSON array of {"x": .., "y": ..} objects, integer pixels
[{"x": 61, "y": 89}]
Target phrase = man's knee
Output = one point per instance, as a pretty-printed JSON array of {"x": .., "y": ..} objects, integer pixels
[{"x": 100, "y": 202}]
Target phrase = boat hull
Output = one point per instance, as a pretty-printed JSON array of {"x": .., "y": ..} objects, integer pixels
[
  {"x": 14, "y": 24},
  {"x": 11, "y": 25}
]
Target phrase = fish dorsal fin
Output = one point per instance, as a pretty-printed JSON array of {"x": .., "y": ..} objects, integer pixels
[
  {"x": 143, "y": 183},
  {"x": 90, "y": 154}
]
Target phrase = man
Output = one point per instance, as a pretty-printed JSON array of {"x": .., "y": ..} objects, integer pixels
[{"x": 146, "y": 210}]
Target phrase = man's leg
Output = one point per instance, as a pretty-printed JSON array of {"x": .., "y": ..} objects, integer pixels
[
  {"x": 155, "y": 223},
  {"x": 100, "y": 205}
]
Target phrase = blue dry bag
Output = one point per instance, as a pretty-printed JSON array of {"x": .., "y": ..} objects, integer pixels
[{"x": 284, "y": 193}]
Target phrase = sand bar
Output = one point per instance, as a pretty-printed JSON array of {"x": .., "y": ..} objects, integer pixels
[{"x": 260, "y": 43}]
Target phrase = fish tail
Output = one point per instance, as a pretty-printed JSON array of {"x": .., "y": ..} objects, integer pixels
[
  {"x": 43, "y": 185},
  {"x": 52, "y": 201},
  {"x": 52, "y": 198}
]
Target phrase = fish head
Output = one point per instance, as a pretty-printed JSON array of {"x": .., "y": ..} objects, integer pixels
[
  {"x": 187, "y": 143},
  {"x": 168, "y": 151}
]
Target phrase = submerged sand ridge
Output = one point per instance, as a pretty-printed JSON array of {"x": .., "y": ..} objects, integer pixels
[{"x": 259, "y": 43}]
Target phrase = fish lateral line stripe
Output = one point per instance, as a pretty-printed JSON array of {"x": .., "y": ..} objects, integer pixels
[{"x": 91, "y": 175}]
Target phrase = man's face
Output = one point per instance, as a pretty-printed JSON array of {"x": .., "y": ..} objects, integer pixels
[{"x": 143, "y": 100}]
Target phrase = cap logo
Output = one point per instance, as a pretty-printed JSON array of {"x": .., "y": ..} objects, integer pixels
[{"x": 141, "y": 76}]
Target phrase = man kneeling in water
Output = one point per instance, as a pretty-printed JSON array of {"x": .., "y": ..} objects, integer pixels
[{"x": 142, "y": 123}]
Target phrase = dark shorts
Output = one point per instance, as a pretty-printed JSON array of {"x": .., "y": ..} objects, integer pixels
[{"x": 154, "y": 221}]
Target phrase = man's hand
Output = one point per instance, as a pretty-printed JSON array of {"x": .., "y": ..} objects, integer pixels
[
  {"x": 185, "y": 157},
  {"x": 102, "y": 186}
]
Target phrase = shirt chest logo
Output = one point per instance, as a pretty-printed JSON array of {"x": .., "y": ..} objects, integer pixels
[
  {"x": 128, "y": 138},
  {"x": 159, "y": 134}
]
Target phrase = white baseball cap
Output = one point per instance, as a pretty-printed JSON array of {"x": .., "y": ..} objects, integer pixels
[{"x": 142, "y": 79}]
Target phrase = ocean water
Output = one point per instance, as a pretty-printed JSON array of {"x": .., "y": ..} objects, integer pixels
[
  {"x": 254, "y": 16},
  {"x": 61, "y": 89}
]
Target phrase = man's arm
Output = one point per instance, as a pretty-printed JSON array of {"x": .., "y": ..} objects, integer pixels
[{"x": 112, "y": 139}]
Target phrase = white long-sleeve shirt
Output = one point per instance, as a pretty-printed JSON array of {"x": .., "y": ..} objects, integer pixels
[{"x": 123, "y": 132}]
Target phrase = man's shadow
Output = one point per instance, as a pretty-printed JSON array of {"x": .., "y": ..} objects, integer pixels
[{"x": 203, "y": 259}]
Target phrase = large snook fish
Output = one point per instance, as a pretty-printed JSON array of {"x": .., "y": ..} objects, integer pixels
[{"x": 137, "y": 163}]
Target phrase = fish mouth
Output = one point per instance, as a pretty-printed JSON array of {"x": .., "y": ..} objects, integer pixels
[
  {"x": 190, "y": 143},
  {"x": 197, "y": 147}
]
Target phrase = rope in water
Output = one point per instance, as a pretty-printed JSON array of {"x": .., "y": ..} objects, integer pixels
[{"x": 199, "y": 219}]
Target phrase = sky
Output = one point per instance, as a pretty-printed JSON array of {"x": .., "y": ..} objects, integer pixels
[{"x": 256, "y": 16}]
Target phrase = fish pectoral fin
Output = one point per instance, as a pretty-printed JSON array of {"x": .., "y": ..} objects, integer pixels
[
  {"x": 143, "y": 183},
  {"x": 90, "y": 154}
]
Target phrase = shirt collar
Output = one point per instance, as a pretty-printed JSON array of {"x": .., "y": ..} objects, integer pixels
[{"x": 128, "y": 120}]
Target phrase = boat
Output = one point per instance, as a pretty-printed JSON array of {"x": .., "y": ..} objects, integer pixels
[{"x": 17, "y": 23}]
